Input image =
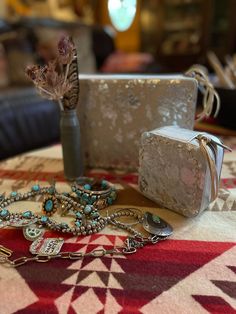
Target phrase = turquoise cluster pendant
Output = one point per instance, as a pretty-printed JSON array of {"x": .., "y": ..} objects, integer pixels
[{"x": 49, "y": 206}]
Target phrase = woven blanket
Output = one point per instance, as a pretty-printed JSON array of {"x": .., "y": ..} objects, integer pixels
[{"x": 192, "y": 272}]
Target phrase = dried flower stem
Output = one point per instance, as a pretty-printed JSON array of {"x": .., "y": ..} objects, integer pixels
[
  {"x": 45, "y": 91},
  {"x": 67, "y": 71},
  {"x": 58, "y": 80},
  {"x": 60, "y": 104}
]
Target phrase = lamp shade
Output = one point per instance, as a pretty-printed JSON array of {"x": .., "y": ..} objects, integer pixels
[{"x": 122, "y": 13}]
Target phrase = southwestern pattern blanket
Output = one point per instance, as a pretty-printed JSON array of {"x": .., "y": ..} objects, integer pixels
[{"x": 192, "y": 272}]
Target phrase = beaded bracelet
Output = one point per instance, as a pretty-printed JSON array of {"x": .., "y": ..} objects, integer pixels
[{"x": 98, "y": 193}]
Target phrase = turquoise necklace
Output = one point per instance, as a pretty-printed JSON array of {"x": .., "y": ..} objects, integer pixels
[{"x": 87, "y": 219}]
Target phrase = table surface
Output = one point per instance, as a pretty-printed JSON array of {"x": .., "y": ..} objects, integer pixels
[{"x": 192, "y": 272}]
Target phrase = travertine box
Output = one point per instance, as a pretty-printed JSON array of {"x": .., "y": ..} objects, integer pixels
[
  {"x": 114, "y": 110},
  {"x": 174, "y": 171}
]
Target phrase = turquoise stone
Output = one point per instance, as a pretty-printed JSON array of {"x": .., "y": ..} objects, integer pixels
[
  {"x": 35, "y": 188},
  {"x": 63, "y": 225},
  {"x": 93, "y": 223},
  {"x": 78, "y": 192},
  {"x": 94, "y": 214},
  {"x": 79, "y": 215},
  {"x": 89, "y": 201},
  {"x": 28, "y": 214},
  {"x": 78, "y": 223},
  {"x": 14, "y": 194},
  {"x": 87, "y": 209},
  {"x": 113, "y": 195},
  {"x": 73, "y": 188},
  {"x": 51, "y": 190},
  {"x": 104, "y": 184},
  {"x": 48, "y": 206},
  {"x": 156, "y": 218},
  {"x": 4, "y": 213},
  {"x": 85, "y": 197},
  {"x": 93, "y": 198},
  {"x": 44, "y": 219},
  {"x": 87, "y": 187},
  {"x": 109, "y": 200}
]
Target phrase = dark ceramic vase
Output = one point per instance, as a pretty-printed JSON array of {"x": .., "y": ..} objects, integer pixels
[{"x": 71, "y": 145}]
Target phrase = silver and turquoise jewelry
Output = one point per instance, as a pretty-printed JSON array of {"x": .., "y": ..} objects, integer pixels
[
  {"x": 49, "y": 206},
  {"x": 32, "y": 232},
  {"x": 155, "y": 225},
  {"x": 47, "y": 249},
  {"x": 90, "y": 191},
  {"x": 47, "y": 246},
  {"x": 86, "y": 220}
]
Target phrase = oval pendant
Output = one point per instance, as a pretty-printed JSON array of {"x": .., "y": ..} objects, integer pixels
[
  {"x": 49, "y": 205},
  {"x": 156, "y": 225}
]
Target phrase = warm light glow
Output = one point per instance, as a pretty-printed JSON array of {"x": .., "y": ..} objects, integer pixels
[
  {"x": 19, "y": 7},
  {"x": 122, "y": 13}
]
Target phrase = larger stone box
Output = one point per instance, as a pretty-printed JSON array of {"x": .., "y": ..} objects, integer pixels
[{"x": 114, "y": 110}]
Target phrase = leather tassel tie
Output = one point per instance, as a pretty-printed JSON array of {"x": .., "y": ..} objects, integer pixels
[{"x": 204, "y": 143}]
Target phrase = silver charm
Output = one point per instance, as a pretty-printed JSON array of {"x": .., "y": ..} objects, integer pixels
[
  {"x": 156, "y": 225},
  {"x": 46, "y": 246},
  {"x": 32, "y": 232},
  {"x": 21, "y": 222}
]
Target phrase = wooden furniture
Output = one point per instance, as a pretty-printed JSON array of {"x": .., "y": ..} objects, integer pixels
[
  {"x": 223, "y": 30},
  {"x": 176, "y": 31}
]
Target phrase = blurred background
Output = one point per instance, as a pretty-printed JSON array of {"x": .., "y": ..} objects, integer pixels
[
  {"x": 147, "y": 36},
  {"x": 112, "y": 36}
]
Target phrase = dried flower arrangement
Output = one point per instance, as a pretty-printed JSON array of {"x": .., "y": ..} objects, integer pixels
[{"x": 59, "y": 79}]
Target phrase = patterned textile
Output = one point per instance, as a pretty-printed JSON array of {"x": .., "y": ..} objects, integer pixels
[{"x": 192, "y": 272}]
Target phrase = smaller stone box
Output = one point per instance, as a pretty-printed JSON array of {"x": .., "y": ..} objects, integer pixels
[{"x": 174, "y": 171}]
